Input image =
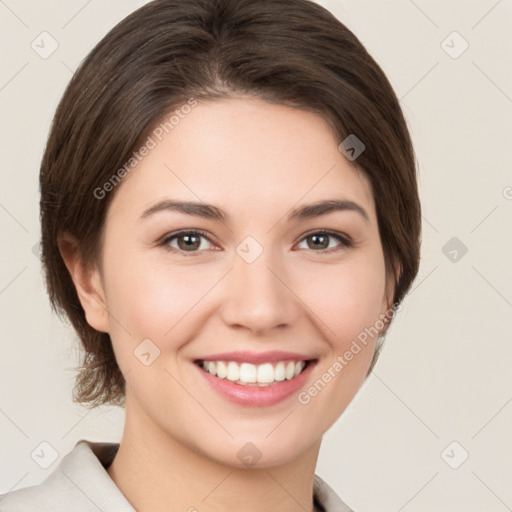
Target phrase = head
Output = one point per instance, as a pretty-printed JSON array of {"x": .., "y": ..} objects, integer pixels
[{"x": 245, "y": 106}]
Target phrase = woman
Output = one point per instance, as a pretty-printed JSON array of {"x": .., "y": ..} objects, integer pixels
[{"x": 230, "y": 219}]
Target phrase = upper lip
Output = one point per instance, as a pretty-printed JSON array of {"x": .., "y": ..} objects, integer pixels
[{"x": 245, "y": 356}]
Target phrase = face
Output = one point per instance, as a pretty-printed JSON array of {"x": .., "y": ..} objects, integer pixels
[{"x": 181, "y": 287}]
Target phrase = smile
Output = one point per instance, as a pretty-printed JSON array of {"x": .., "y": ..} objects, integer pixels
[
  {"x": 253, "y": 385},
  {"x": 246, "y": 374}
]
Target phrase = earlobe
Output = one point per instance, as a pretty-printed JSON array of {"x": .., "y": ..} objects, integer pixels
[{"x": 87, "y": 283}]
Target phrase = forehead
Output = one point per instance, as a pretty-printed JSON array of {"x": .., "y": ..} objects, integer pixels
[{"x": 246, "y": 153}]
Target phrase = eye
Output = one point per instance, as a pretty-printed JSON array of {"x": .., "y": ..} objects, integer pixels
[
  {"x": 190, "y": 241},
  {"x": 187, "y": 241},
  {"x": 320, "y": 240}
]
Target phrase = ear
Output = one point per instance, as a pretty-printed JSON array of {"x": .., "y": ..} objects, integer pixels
[
  {"x": 88, "y": 284},
  {"x": 387, "y": 301}
]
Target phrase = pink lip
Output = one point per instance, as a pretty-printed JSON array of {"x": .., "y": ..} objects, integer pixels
[
  {"x": 255, "y": 357},
  {"x": 255, "y": 396}
]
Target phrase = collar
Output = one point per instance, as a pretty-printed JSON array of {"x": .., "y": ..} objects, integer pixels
[{"x": 81, "y": 479}]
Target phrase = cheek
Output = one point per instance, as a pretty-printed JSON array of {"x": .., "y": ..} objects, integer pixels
[
  {"x": 346, "y": 298},
  {"x": 150, "y": 299},
  {"x": 156, "y": 302},
  {"x": 347, "y": 302}
]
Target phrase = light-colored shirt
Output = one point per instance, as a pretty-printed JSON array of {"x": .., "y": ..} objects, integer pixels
[{"x": 80, "y": 483}]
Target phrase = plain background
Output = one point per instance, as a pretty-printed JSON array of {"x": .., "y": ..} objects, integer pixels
[{"x": 444, "y": 374}]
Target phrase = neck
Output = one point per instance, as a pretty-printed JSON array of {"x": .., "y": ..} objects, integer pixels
[{"x": 157, "y": 472}]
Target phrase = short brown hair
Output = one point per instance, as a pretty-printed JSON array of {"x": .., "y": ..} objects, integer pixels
[{"x": 289, "y": 52}]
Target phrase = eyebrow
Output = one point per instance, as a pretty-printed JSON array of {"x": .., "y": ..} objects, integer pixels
[{"x": 209, "y": 211}]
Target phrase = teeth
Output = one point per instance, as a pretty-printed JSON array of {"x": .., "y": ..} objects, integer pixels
[
  {"x": 247, "y": 373},
  {"x": 222, "y": 370},
  {"x": 233, "y": 371}
]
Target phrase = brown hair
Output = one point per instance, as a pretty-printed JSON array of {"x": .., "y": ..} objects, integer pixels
[{"x": 289, "y": 52}]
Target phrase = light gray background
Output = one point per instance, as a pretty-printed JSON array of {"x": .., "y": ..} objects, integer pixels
[{"x": 444, "y": 375}]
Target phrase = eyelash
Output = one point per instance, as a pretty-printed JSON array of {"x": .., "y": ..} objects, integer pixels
[{"x": 345, "y": 241}]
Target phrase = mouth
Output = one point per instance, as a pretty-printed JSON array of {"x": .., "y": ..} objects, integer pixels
[
  {"x": 261, "y": 375},
  {"x": 255, "y": 385}
]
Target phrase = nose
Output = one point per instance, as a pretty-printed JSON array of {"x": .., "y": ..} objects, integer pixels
[{"x": 258, "y": 297}]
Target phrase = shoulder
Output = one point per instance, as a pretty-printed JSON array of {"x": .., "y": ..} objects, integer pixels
[
  {"x": 325, "y": 496},
  {"x": 47, "y": 496},
  {"x": 79, "y": 483}
]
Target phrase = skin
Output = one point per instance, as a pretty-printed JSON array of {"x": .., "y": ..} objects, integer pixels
[{"x": 256, "y": 161}]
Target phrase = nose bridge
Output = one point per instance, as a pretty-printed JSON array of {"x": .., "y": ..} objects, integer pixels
[{"x": 256, "y": 296}]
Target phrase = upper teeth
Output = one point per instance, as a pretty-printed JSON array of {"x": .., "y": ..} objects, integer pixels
[{"x": 247, "y": 373}]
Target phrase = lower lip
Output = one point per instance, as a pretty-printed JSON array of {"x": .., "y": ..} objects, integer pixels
[{"x": 256, "y": 396}]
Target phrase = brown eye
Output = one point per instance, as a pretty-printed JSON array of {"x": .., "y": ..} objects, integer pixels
[
  {"x": 187, "y": 241},
  {"x": 320, "y": 241}
]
